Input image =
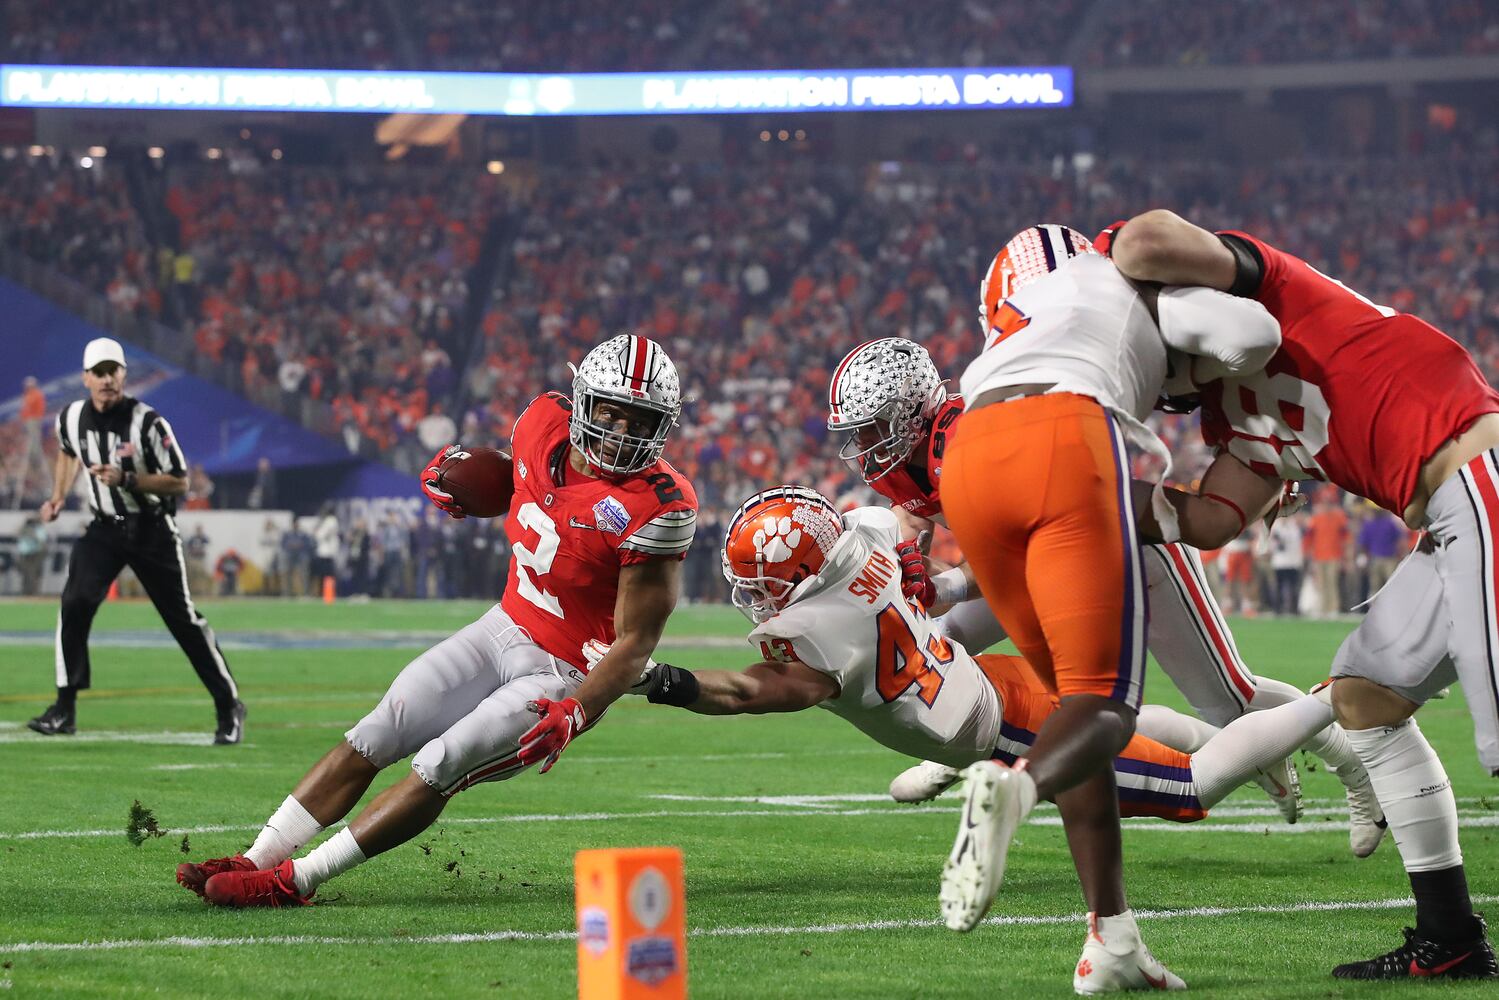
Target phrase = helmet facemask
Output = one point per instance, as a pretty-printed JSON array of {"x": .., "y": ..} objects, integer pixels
[{"x": 610, "y": 450}]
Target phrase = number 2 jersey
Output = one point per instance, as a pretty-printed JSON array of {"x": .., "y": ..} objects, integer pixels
[
  {"x": 907, "y": 688},
  {"x": 1358, "y": 394},
  {"x": 570, "y": 534}
]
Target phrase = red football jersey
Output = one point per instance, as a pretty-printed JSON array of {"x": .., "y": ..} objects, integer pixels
[
  {"x": 570, "y": 534},
  {"x": 1358, "y": 394},
  {"x": 902, "y": 488}
]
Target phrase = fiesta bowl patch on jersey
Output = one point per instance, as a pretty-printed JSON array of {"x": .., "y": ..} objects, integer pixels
[{"x": 611, "y": 516}]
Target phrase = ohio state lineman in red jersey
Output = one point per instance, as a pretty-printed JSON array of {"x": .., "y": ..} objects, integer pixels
[
  {"x": 1388, "y": 407},
  {"x": 598, "y": 526}
]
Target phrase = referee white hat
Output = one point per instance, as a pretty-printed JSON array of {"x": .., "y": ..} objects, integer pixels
[{"x": 103, "y": 349}]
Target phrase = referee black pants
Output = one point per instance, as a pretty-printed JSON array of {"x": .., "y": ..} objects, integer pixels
[{"x": 151, "y": 547}]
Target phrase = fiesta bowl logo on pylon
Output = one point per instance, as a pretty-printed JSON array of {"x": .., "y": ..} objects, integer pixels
[
  {"x": 593, "y": 930},
  {"x": 651, "y": 959}
]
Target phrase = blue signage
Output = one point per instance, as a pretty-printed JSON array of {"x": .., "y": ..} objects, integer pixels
[{"x": 528, "y": 94}]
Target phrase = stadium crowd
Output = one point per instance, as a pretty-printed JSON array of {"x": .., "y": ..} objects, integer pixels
[
  {"x": 593, "y": 35},
  {"x": 301, "y": 284}
]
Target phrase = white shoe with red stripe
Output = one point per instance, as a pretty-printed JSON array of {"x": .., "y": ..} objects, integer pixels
[
  {"x": 1283, "y": 784},
  {"x": 1115, "y": 959}
]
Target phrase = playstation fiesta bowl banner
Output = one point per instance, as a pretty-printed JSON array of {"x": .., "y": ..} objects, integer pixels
[{"x": 524, "y": 94}]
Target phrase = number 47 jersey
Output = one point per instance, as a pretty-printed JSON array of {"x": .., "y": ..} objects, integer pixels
[
  {"x": 900, "y": 682},
  {"x": 570, "y": 535}
]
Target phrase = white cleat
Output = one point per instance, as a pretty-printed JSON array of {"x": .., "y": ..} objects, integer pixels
[
  {"x": 923, "y": 782},
  {"x": 1283, "y": 784},
  {"x": 1366, "y": 821},
  {"x": 997, "y": 801},
  {"x": 1114, "y": 959}
]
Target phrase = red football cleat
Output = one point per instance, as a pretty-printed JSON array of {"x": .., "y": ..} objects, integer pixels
[
  {"x": 195, "y": 876},
  {"x": 256, "y": 888}
]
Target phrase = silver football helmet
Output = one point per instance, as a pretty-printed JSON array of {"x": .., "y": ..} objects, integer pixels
[
  {"x": 635, "y": 373},
  {"x": 881, "y": 396}
]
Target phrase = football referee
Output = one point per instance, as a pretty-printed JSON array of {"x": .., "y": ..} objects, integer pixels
[{"x": 135, "y": 473}]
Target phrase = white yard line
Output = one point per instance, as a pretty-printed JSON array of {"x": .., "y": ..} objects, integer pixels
[
  {"x": 1196, "y": 912},
  {"x": 1144, "y": 825}
]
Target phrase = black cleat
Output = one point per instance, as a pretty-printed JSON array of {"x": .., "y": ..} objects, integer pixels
[
  {"x": 55, "y": 721},
  {"x": 231, "y": 725},
  {"x": 1419, "y": 958}
]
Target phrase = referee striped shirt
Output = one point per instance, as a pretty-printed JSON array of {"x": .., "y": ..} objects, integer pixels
[{"x": 131, "y": 435}]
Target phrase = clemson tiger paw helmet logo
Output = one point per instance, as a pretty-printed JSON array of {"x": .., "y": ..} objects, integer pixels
[{"x": 776, "y": 540}]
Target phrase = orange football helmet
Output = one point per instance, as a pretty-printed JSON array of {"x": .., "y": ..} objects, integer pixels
[
  {"x": 1032, "y": 253},
  {"x": 778, "y": 538}
]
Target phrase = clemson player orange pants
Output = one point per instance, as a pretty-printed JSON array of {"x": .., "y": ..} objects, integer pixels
[
  {"x": 1036, "y": 492},
  {"x": 1153, "y": 779}
]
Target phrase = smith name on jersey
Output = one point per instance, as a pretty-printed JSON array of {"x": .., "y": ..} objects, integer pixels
[
  {"x": 570, "y": 534},
  {"x": 899, "y": 681}
]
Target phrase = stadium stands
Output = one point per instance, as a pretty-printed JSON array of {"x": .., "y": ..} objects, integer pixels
[{"x": 593, "y": 35}]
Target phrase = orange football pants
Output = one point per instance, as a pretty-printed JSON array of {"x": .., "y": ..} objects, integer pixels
[
  {"x": 1036, "y": 492},
  {"x": 1153, "y": 779}
]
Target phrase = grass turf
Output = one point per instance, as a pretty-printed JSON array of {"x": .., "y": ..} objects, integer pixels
[{"x": 784, "y": 871}]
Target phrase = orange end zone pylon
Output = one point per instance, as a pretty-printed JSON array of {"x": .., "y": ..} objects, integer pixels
[{"x": 632, "y": 924}]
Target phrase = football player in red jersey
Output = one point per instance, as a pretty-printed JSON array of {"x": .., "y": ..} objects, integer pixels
[
  {"x": 1387, "y": 407},
  {"x": 598, "y": 526},
  {"x": 890, "y": 400}
]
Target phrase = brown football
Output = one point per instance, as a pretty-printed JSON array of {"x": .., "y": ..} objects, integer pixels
[{"x": 480, "y": 480}]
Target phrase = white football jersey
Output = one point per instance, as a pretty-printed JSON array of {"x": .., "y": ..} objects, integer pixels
[
  {"x": 1084, "y": 328},
  {"x": 900, "y": 682}
]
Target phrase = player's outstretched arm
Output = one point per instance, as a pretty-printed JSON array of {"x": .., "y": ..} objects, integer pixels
[
  {"x": 1231, "y": 496},
  {"x": 1160, "y": 245},
  {"x": 761, "y": 688}
]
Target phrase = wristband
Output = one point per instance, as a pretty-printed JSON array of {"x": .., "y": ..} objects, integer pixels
[
  {"x": 673, "y": 686},
  {"x": 952, "y": 586},
  {"x": 1249, "y": 268},
  {"x": 1243, "y": 521}
]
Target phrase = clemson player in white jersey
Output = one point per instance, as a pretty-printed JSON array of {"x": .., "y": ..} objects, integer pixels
[
  {"x": 833, "y": 629},
  {"x": 1075, "y": 358},
  {"x": 598, "y": 526},
  {"x": 889, "y": 399}
]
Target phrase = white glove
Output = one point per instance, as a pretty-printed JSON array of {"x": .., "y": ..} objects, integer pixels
[{"x": 593, "y": 652}]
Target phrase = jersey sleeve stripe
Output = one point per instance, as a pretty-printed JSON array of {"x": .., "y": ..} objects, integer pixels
[
  {"x": 665, "y": 534},
  {"x": 636, "y": 543}
]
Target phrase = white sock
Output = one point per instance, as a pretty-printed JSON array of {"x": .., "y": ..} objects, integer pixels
[
  {"x": 286, "y": 832},
  {"x": 1271, "y": 693},
  {"x": 1177, "y": 731},
  {"x": 1252, "y": 742},
  {"x": 1414, "y": 791},
  {"x": 334, "y": 856},
  {"x": 1120, "y": 934}
]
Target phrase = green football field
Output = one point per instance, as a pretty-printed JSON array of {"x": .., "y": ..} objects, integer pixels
[{"x": 803, "y": 879}]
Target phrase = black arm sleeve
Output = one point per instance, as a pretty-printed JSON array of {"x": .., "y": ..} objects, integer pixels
[{"x": 1249, "y": 266}]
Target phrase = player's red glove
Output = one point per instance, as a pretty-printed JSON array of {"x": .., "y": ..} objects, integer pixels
[
  {"x": 561, "y": 721},
  {"x": 1104, "y": 241},
  {"x": 441, "y": 499},
  {"x": 915, "y": 582}
]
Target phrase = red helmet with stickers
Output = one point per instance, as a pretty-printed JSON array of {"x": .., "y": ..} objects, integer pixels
[
  {"x": 1031, "y": 254},
  {"x": 777, "y": 539}
]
